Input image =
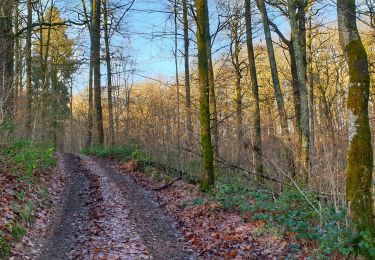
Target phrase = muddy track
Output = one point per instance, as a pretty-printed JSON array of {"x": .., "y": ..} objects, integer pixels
[
  {"x": 68, "y": 225},
  {"x": 107, "y": 216}
]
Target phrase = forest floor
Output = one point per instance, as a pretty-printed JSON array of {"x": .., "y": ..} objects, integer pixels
[
  {"x": 105, "y": 215},
  {"x": 110, "y": 210}
]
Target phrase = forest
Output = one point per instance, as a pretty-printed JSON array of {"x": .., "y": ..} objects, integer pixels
[{"x": 187, "y": 129}]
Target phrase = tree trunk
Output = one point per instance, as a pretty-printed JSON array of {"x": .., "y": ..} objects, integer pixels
[
  {"x": 235, "y": 52},
  {"x": 29, "y": 90},
  {"x": 212, "y": 92},
  {"x": 109, "y": 74},
  {"x": 90, "y": 90},
  {"x": 177, "y": 83},
  {"x": 7, "y": 61},
  {"x": 96, "y": 7},
  {"x": 257, "y": 146},
  {"x": 300, "y": 57},
  {"x": 17, "y": 55},
  {"x": 189, "y": 124},
  {"x": 203, "y": 41},
  {"x": 360, "y": 154},
  {"x": 296, "y": 93},
  {"x": 277, "y": 88},
  {"x": 309, "y": 59}
]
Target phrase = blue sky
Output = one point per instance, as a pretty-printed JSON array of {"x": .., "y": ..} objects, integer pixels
[{"x": 152, "y": 53}]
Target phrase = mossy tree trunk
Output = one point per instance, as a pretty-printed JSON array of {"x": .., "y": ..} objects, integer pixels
[
  {"x": 203, "y": 38},
  {"x": 360, "y": 154},
  {"x": 257, "y": 146}
]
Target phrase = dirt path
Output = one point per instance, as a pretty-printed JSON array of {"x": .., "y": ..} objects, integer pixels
[{"x": 108, "y": 216}]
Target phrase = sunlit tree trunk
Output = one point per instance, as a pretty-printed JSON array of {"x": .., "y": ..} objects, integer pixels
[
  {"x": 109, "y": 74},
  {"x": 276, "y": 86},
  {"x": 203, "y": 38},
  {"x": 235, "y": 50},
  {"x": 360, "y": 154},
  {"x": 257, "y": 146},
  {"x": 189, "y": 124},
  {"x": 300, "y": 56},
  {"x": 95, "y": 12}
]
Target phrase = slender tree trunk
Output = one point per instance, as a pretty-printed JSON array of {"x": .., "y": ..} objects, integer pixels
[
  {"x": 96, "y": 8},
  {"x": 213, "y": 104},
  {"x": 276, "y": 86},
  {"x": 296, "y": 93},
  {"x": 360, "y": 153},
  {"x": 203, "y": 41},
  {"x": 212, "y": 92},
  {"x": 189, "y": 124},
  {"x": 90, "y": 90},
  {"x": 17, "y": 55},
  {"x": 235, "y": 52},
  {"x": 257, "y": 146},
  {"x": 109, "y": 74},
  {"x": 29, "y": 90},
  {"x": 239, "y": 115},
  {"x": 177, "y": 82},
  {"x": 311, "y": 89},
  {"x": 300, "y": 56}
]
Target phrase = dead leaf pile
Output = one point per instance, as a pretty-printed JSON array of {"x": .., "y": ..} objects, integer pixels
[{"x": 213, "y": 232}]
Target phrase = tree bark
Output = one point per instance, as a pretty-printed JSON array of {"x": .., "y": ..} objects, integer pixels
[
  {"x": 17, "y": 55},
  {"x": 257, "y": 146},
  {"x": 90, "y": 90},
  {"x": 177, "y": 82},
  {"x": 189, "y": 124},
  {"x": 109, "y": 74},
  {"x": 29, "y": 90},
  {"x": 7, "y": 61},
  {"x": 96, "y": 7},
  {"x": 235, "y": 50},
  {"x": 300, "y": 57},
  {"x": 277, "y": 88},
  {"x": 360, "y": 154},
  {"x": 203, "y": 41}
]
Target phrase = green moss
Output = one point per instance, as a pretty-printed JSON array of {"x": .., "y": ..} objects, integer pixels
[
  {"x": 203, "y": 41},
  {"x": 360, "y": 154}
]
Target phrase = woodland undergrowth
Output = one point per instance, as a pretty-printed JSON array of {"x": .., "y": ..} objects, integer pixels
[
  {"x": 309, "y": 224},
  {"x": 25, "y": 166}
]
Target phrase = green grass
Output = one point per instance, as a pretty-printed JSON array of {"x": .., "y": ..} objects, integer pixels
[{"x": 123, "y": 153}]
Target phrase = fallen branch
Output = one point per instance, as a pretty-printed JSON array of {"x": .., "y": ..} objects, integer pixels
[
  {"x": 161, "y": 167},
  {"x": 167, "y": 185}
]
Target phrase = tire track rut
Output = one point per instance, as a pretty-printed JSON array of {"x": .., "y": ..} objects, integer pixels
[{"x": 106, "y": 215}]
